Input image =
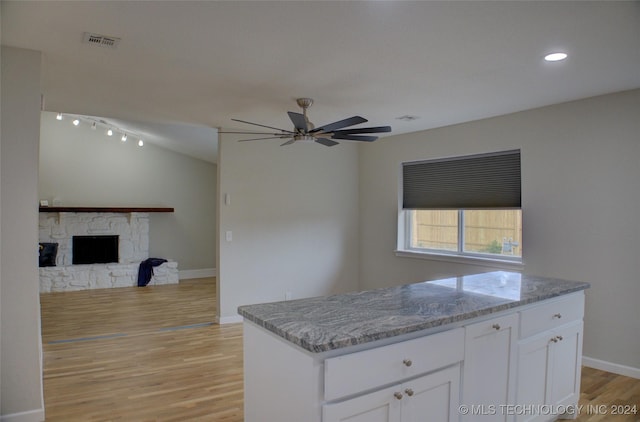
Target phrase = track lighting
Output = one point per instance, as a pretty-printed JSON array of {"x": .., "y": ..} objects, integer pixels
[{"x": 95, "y": 122}]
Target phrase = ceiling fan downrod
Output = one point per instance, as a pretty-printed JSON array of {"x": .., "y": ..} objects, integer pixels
[{"x": 304, "y": 104}]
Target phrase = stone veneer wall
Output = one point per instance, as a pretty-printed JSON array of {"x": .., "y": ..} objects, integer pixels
[{"x": 132, "y": 230}]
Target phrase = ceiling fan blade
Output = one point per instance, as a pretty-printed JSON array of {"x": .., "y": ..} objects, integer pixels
[
  {"x": 377, "y": 129},
  {"x": 289, "y": 142},
  {"x": 339, "y": 124},
  {"x": 354, "y": 137},
  {"x": 259, "y": 139},
  {"x": 326, "y": 142},
  {"x": 299, "y": 122},
  {"x": 257, "y": 124},
  {"x": 256, "y": 133}
]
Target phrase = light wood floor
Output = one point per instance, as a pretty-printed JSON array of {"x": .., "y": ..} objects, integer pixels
[
  {"x": 153, "y": 354},
  {"x": 140, "y": 354}
]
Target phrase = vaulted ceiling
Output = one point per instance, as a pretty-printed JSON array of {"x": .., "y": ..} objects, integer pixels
[{"x": 183, "y": 67}]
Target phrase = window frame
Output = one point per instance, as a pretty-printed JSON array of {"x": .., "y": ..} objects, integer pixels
[
  {"x": 403, "y": 248},
  {"x": 471, "y": 258}
]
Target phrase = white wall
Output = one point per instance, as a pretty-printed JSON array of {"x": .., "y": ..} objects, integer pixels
[
  {"x": 294, "y": 219},
  {"x": 21, "y": 365},
  {"x": 84, "y": 167},
  {"x": 581, "y": 202}
]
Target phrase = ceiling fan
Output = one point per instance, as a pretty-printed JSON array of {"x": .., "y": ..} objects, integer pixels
[{"x": 304, "y": 130}]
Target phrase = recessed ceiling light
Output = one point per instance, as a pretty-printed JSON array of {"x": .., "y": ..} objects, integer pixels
[
  {"x": 407, "y": 118},
  {"x": 555, "y": 57}
]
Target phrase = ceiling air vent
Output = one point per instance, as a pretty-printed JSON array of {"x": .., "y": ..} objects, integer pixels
[{"x": 100, "y": 40}]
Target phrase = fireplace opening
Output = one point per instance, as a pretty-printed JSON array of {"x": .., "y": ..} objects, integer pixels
[{"x": 94, "y": 249}]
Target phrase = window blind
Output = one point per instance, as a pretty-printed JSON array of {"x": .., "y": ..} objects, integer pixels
[{"x": 476, "y": 181}]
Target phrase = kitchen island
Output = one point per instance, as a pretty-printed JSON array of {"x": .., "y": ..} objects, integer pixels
[{"x": 486, "y": 341}]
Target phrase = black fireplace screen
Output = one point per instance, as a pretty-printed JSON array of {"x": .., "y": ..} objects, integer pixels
[
  {"x": 47, "y": 254},
  {"x": 94, "y": 249}
]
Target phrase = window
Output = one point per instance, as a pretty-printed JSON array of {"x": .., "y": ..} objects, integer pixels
[{"x": 466, "y": 207}]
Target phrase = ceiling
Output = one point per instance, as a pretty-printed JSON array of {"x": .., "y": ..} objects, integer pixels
[{"x": 182, "y": 67}]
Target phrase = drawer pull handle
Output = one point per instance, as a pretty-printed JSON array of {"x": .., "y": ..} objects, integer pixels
[
  {"x": 559, "y": 338},
  {"x": 496, "y": 326},
  {"x": 554, "y": 339},
  {"x": 407, "y": 362},
  {"x": 409, "y": 392},
  {"x": 397, "y": 395},
  {"x": 557, "y": 316}
]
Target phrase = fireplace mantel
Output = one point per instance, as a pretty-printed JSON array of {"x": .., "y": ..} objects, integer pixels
[{"x": 106, "y": 209}]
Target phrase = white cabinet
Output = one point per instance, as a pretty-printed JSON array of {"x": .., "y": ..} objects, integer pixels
[
  {"x": 425, "y": 378},
  {"x": 357, "y": 372},
  {"x": 435, "y": 395},
  {"x": 489, "y": 368},
  {"x": 379, "y": 406},
  {"x": 549, "y": 359},
  {"x": 527, "y": 356}
]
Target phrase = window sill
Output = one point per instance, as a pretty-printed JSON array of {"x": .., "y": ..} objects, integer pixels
[{"x": 469, "y": 260}]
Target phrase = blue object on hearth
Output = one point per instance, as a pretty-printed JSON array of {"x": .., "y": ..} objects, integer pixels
[{"x": 145, "y": 272}]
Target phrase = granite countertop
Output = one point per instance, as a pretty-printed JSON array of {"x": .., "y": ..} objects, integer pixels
[{"x": 321, "y": 324}]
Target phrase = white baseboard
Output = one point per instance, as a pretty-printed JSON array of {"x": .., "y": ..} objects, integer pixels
[
  {"x": 230, "y": 319},
  {"x": 603, "y": 365},
  {"x": 199, "y": 273},
  {"x": 28, "y": 416}
]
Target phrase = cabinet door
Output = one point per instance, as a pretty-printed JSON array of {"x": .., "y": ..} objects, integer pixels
[
  {"x": 489, "y": 367},
  {"x": 433, "y": 398},
  {"x": 379, "y": 406},
  {"x": 549, "y": 369},
  {"x": 565, "y": 368},
  {"x": 534, "y": 360}
]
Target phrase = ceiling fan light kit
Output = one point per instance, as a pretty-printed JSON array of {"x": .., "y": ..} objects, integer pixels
[{"x": 305, "y": 131}]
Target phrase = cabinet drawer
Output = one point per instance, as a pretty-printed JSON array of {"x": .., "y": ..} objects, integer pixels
[
  {"x": 355, "y": 372},
  {"x": 550, "y": 315}
]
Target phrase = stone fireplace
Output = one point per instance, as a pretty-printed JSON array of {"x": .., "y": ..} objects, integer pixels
[{"x": 128, "y": 231}]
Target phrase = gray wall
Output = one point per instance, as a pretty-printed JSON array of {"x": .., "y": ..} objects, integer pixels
[
  {"x": 293, "y": 215},
  {"x": 581, "y": 202},
  {"x": 84, "y": 167},
  {"x": 21, "y": 348}
]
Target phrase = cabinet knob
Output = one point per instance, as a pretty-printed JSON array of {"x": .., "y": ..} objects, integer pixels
[
  {"x": 409, "y": 392},
  {"x": 557, "y": 316},
  {"x": 397, "y": 395},
  {"x": 559, "y": 338},
  {"x": 407, "y": 362},
  {"x": 496, "y": 326},
  {"x": 554, "y": 339}
]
